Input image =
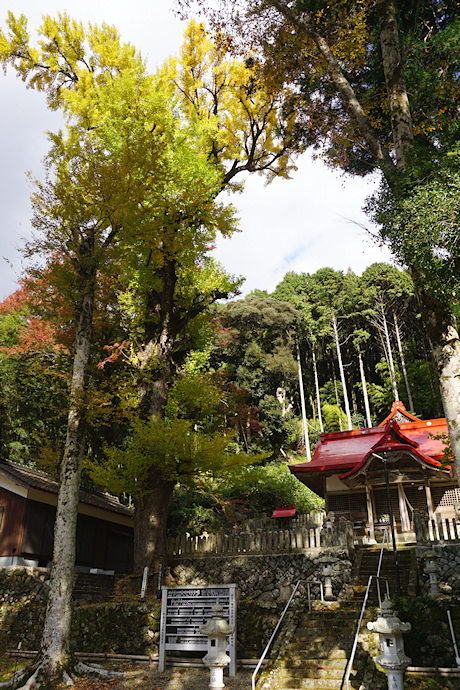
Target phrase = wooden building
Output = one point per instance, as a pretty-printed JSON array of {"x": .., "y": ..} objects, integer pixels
[
  {"x": 348, "y": 470},
  {"x": 28, "y": 499}
]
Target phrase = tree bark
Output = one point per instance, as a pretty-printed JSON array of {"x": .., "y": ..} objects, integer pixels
[
  {"x": 342, "y": 372},
  {"x": 336, "y": 395},
  {"x": 442, "y": 332},
  {"x": 390, "y": 355},
  {"x": 403, "y": 364},
  {"x": 302, "y": 404},
  {"x": 401, "y": 122},
  {"x": 150, "y": 518},
  {"x": 54, "y": 652},
  {"x": 151, "y": 510},
  {"x": 318, "y": 397},
  {"x": 364, "y": 385}
]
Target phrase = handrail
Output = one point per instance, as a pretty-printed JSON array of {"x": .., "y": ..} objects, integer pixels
[
  {"x": 308, "y": 583},
  {"x": 371, "y": 577},
  {"x": 457, "y": 657}
]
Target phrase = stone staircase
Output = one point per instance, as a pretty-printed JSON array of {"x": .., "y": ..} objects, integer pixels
[
  {"x": 316, "y": 648},
  {"x": 315, "y": 651},
  {"x": 369, "y": 559},
  {"x": 93, "y": 587}
]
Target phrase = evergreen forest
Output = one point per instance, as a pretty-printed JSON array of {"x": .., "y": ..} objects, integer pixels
[{"x": 239, "y": 382}]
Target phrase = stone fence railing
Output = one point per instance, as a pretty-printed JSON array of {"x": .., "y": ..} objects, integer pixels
[
  {"x": 441, "y": 530},
  {"x": 295, "y": 539}
]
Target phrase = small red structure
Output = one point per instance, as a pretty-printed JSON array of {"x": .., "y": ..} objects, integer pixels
[
  {"x": 284, "y": 512},
  {"x": 348, "y": 472}
]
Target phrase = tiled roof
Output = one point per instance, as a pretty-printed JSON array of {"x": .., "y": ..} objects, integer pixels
[
  {"x": 31, "y": 477},
  {"x": 345, "y": 451}
]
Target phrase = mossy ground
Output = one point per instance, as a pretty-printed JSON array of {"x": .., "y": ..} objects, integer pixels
[
  {"x": 424, "y": 683},
  {"x": 8, "y": 666}
]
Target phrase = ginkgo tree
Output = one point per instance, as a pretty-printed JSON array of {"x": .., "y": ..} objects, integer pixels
[
  {"x": 126, "y": 183},
  {"x": 132, "y": 189},
  {"x": 242, "y": 127},
  {"x": 247, "y": 124}
]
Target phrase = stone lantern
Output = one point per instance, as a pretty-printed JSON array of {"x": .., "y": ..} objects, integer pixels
[
  {"x": 431, "y": 569},
  {"x": 392, "y": 658},
  {"x": 328, "y": 572},
  {"x": 330, "y": 519},
  {"x": 217, "y": 629}
]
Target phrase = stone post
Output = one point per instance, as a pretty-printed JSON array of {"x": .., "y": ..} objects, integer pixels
[
  {"x": 419, "y": 527},
  {"x": 328, "y": 572},
  {"x": 431, "y": 569},
  {"x": 392, "y": 658}
]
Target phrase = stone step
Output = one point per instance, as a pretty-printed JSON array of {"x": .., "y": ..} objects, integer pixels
[
  {"x": 312, "y": 663},
  {"x": 300, "y": 674},
  {"x": 316, "y": 650},
  {"x": 317, "y": 656},
  {"x": 389, "y": 574},
  {"x": 389, "y": 571},
  {"x": 341, "y": 614},
  {"x": 327, "y": 633},
  {"x": 308, "y": 684},
  {"x": 385, "y": 572},
  {"x": 326, "y": 627},
  {"x": 312, "y": 620}
]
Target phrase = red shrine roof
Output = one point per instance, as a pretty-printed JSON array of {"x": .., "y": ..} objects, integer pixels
[
  {"x": 284, "y": 512},
  {"x": 399, "y": 412},
  {"x": 347, "y": 452}
]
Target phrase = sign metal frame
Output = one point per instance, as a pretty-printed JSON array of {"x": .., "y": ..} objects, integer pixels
[{"x": 184, "y": 609}]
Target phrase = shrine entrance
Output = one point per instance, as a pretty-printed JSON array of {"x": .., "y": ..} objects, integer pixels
[{"x": 350, "y": 469}]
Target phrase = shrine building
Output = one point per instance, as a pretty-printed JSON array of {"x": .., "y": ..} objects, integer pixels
[{"x": 348, "y": 471}]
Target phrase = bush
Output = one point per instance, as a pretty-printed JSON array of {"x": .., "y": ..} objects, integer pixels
[{"x": 246, "y": 494}]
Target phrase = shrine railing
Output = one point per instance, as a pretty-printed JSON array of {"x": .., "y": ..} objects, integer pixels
[
  {"x": 297, "y": 538},
  {"x": 440, "y": 529}
]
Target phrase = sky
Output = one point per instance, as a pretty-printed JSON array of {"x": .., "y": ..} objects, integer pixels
[{"x": 313, "y": 220}]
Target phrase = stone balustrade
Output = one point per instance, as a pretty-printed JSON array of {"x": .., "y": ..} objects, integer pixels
[
  {"x": 441, "y": 530},
  {"x": 304, "y": 534}
]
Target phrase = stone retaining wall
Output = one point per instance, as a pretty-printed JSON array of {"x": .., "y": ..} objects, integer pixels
[
  {"x": 127, "y": 626},
  {"x": 447, "y": 564},
  {"x": 265, "y": 580}
]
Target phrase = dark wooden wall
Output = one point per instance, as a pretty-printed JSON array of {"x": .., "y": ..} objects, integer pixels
[
  {"x": 28, "y": 527},
  {"x": 12, "y": 522}
]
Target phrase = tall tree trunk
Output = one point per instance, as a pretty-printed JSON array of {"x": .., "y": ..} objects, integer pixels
[
  {"x": 442, "y": 332},
  {"x": 403, "y": 364},
  {"x": 150, "y": 519},
  {"x": 342, "y": 373},
  {"x": 54, "y": 651},
  {"x": 401, "y": 122},
  {"x": 304, "y": 412},
  {"x": 364, "y": 385},
  {"x": 151, "y": 512},
  {"x": 337, "y": 395},
  {"x": 390, "y": 355},
  {"x": 384, "y": 347},
  {"x": 341, "y": 83},
  {"x": 318, "y": 397}
]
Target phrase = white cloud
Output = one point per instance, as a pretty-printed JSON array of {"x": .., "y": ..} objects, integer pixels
[
  {"x": 313, "y": 220},
  {"x": 300, "y": 224}
]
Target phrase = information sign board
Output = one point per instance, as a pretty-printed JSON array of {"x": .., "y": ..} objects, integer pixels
[{"x": 184, "y": 609}]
